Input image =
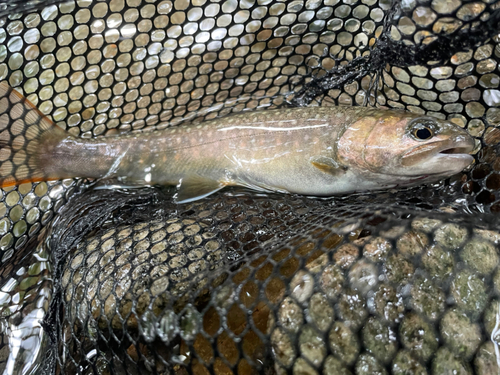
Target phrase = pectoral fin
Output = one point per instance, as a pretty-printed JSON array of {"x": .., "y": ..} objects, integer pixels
[
  {"x": 328, "y": 165},
  {"x": 192, "y": 188}
]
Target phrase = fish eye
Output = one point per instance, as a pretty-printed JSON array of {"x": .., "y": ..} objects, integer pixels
[
  {"x": 423, "y": 130},
  {"x": 423, "y": 133}
]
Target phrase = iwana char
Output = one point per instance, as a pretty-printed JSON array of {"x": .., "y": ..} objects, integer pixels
[{"x": 317, "y": 151}]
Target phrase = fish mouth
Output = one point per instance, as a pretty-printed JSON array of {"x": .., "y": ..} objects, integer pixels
[
  {"x": 439, "y": 151},
  {"x": 466, "y": 148}
]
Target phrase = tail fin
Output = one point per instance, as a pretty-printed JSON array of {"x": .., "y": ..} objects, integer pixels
[{"x": 26, "y": 138}]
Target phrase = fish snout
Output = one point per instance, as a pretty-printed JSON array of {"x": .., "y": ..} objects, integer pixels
[
  {"x": 453, "y": 155},
  {"x": 459, "y": 144},
  {"x": 444, "y": 156}
]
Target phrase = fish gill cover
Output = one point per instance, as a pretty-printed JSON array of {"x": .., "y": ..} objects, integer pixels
[{"x": 126, "y": 282}]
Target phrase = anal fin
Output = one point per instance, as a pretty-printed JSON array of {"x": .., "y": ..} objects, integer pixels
[{"x": 194, "y": 187}]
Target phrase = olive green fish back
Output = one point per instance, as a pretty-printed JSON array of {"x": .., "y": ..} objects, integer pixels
[{"x": 128, "y": 283}]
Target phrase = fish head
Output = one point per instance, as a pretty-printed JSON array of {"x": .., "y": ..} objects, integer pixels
[{"x": 404, "y": 148}]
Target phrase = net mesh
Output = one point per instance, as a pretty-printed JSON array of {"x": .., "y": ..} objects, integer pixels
[{"x": 126, "y": 282}]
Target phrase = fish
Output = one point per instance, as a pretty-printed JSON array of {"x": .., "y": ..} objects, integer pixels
[{"x": 312, "y": 151}]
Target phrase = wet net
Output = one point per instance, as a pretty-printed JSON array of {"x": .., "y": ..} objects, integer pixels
[{"x": 127, "y": 282}]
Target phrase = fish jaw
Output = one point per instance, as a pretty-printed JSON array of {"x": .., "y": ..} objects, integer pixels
[{"x": 441, "y": 158}]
